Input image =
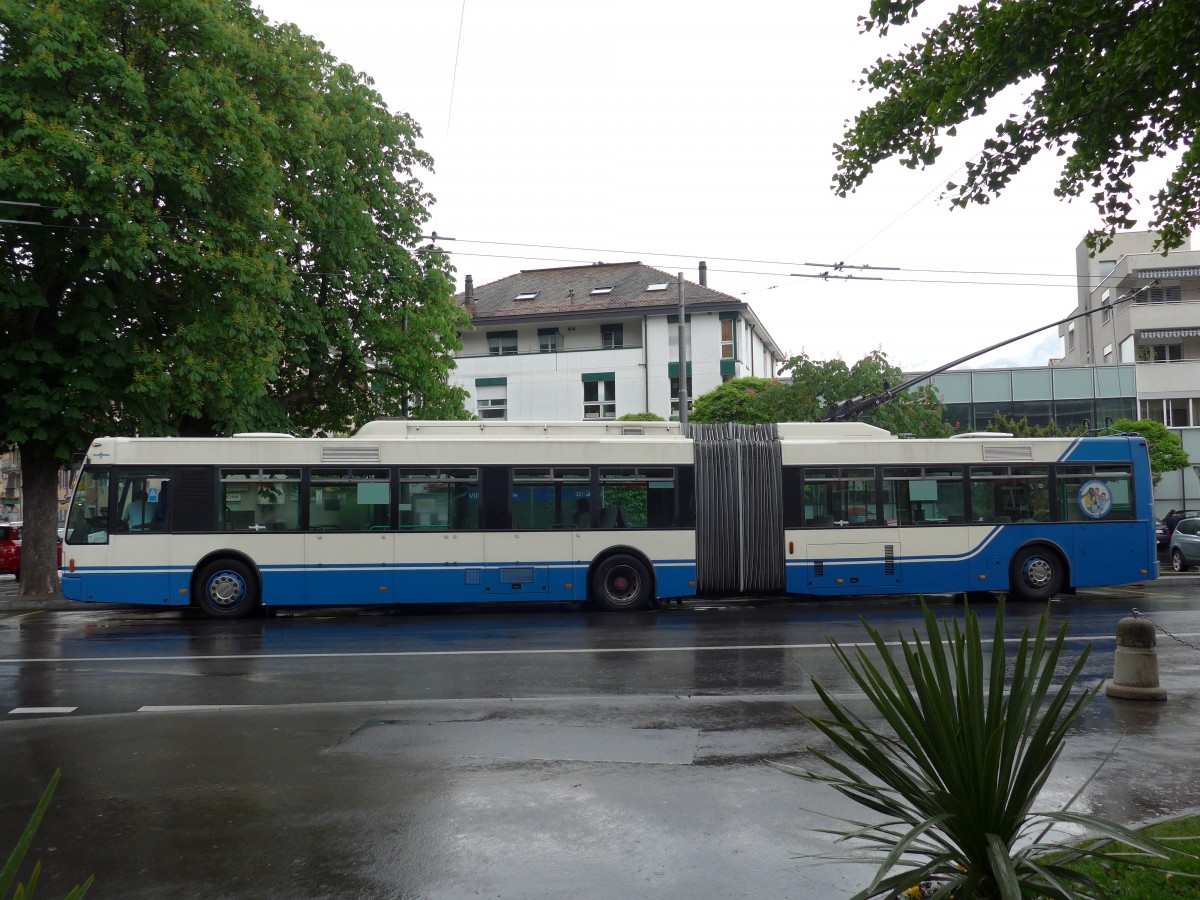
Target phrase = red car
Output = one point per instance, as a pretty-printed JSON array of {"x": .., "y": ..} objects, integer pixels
[{"x": 10, "y": 548}]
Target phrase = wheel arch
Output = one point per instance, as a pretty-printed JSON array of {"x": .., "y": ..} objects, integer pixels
[
  {"x": 622, "y": 550},
  {"x": 215, "y": 555}
]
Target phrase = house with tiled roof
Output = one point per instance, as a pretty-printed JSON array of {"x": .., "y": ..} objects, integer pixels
[{"x": 601, "y": 341}]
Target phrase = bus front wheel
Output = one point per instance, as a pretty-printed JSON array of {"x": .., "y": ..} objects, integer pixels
[
  {"x": 621, "y": 583},
  {"x": 1035, "y": 574},
  {"x": 227, "y": 589}
]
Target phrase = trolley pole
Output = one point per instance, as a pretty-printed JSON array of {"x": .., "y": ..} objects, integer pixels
[{"x": 683, "y": 389}]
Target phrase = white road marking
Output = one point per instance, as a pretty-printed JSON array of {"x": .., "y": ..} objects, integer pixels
[
  {"x": 41, "y": 710},
  {"x": 393, "y": 654}
]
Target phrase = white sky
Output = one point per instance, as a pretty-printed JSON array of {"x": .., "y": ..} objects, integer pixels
[{"x": 672, "y": 132}]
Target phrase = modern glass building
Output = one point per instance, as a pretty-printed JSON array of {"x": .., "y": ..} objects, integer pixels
[{"x": 1068, "y": 396}]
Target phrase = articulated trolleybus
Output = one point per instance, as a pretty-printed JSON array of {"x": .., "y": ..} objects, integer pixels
[{"x": 620, "y": 515}]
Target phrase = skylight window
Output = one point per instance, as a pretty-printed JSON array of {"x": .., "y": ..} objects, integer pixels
[
  {"x": 526, "y": 295},
  {"x": 602, "y": 290},
  {"x": 659, "y": 286}
]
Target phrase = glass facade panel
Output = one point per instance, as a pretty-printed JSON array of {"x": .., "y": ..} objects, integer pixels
[
  {"x": 953, "y": 387},
  {"x": 1031, "y": 384},
  {"x": 1073, "y": 413},
  {"x": 991, "y": 387},
  {"x": 1073, "y": 384}
]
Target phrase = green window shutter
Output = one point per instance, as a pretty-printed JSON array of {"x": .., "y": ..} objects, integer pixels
[
  {"x": 599, "y": 376},
  {"x": 490, "y": 382},
  {"x": 729, "y": 367},
  {"x": 731, "y": 316},
  {"x": 673, "y": 369}
]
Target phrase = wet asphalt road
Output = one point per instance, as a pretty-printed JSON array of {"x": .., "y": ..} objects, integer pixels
[{"x": 499, "y": 753}]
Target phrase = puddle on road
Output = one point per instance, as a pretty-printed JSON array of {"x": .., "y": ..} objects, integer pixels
[{"x": 515, "y": 741}]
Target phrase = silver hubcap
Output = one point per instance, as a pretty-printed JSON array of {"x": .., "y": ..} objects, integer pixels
[{"x": 1038, "y": 572}]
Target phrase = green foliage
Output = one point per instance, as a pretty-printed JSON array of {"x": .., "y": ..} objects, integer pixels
[
  {"x": 8, "y": 875},
  {"x": 1166, "y": 449},
  {"x": 1160, "y": 879},
  {"x": 815, "y": 386},
  {"x": 969, "y": 743},
  {"x": 224, "y": 233},
  {"x": 640, "y": 417},
  {"x": 1107, "y": 88},
  {"x": 748, "y": 401},
  {"x": 1021, "y": 428}
]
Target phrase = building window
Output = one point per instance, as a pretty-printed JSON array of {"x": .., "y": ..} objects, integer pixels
[
  {"x": 1105, "y": 266},
  {"x": 729, "y": 335},
  {"x": 549, "y": 340},
  {"x": 1108, "y": 353},
  {"x": 502, "y": 343},
  {"x": 491, "y": 398},
  {"x": 1105, "y": 313},
  {"x": 600, "y": 396},
  {"x": 1071, "y": 337},
  {"x": 1166, "y": 352},
  {"x": 1168, "y": 294},
  {"x": 675, "y": 396},
  {"x": 613, "y": 336}
]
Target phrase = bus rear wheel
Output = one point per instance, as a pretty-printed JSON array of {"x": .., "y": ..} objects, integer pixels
[
  {"x": 1035, "y": 574},
  {"x": 227, "y": 589},
  {"x": 621, "y": 583}
]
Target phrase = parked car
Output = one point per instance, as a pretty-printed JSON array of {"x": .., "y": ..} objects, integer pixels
[
  {"x": 1163, "y": 530},
  {"x": 10, "y": 548},
  {"x": 1185, "y": 544}
]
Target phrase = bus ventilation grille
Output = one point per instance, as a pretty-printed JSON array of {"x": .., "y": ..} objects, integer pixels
[
  {"x": 818, "y": 568},
  {"x": 889, "y": 559},
  {"x": 350, "y": 454},
  {"x": 1008, "y": 453},
  {"x": 474, "y": 576}
]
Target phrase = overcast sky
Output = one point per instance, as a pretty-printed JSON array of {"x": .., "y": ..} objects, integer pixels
[{"x": 672, "y": 132}]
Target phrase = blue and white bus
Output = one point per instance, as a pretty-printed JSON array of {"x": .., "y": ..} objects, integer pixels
[{"x": 620, "y": 515}]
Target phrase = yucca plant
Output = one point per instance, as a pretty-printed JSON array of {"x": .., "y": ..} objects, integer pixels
[
  {"x": 8, "y": 874},
  {"x": 954, "y": 775}
]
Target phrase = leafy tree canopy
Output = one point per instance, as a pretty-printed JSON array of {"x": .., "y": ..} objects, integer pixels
[
  {"x": 1109, "y": 86},
  {"x": 220, "y": 234},
  {"x": 815, "y": 386},
  {"x": 1166, "y": 449}
]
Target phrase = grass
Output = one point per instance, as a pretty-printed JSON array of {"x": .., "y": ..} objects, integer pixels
[{"x": 1153, "y": 880}]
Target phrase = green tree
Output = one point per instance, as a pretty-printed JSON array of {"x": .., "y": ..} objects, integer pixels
[
  {"x": 819, "y": 384},
  {"x": 815, "y": 386},
  {"x": 640, "y": 417},
  {"x": 220, "y": 235},
  {"x": 1108, "y": 86},
  {"x": 748, "y": 401},
  {"x": 1166, "y": 449}
]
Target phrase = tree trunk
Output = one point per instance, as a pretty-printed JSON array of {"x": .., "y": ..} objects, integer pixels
[{"x": 39, "y": 533}]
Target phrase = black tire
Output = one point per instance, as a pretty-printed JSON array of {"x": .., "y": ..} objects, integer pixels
[
  {"x": 1036, "y": 573},
  {"x": 227, "y": 589},
  {"x": 1178, "y": 563},
  {"x": 621, "y": 583}
]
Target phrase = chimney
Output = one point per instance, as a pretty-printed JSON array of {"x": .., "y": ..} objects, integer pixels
[
  {"x": 703, "y": 274},
  {"x": 469, "y": 296}
]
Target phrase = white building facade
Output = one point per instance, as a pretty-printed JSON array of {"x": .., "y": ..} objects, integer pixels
[{"x": 600, "y": 342}]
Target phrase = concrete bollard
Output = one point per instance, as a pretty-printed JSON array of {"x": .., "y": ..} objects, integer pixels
[{"x": 1135, "y": 664}]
